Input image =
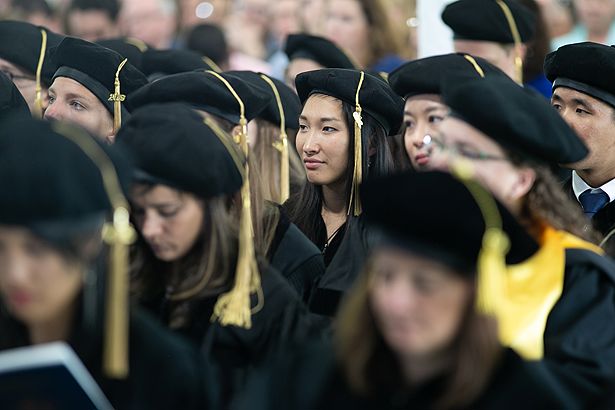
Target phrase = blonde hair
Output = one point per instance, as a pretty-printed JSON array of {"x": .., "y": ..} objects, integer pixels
[{"x": 267, "y": 161}]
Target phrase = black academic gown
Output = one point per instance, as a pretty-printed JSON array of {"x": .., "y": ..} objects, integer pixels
[
  {"x": 603, "y": 221},
  {"x": 282, "y": 322},
  {"x": 164, "y": 371},
  {"x": 310, "y": 379},
  {"x": 296, "y": 258},
  {"x": 344, "y": 259},
  {"x": 579, "y": 337}
]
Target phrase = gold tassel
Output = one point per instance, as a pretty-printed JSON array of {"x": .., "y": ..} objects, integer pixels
[
  {"x": 38, "y": 100},
  {"x": 472, "y": 61},
  {"x": 118, "y": 235},
  {"x": 516, "y": 38},
  {"x": 281, "y": 146},
  {"x": 491, "y": 263},
  {"x": 357, "y": 175},
  {"x": 117, "y": 97},
  {"x": 233, "y": 308},
  {"x": 492, "y": 270},
  {"x": 212, "y": 64}
]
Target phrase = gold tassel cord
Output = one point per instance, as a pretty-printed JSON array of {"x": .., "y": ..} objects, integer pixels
[
  {"x": 117, "y": 97},
  {"x": 137, "y": 43},
  {"x": 118, "y": 235},
  {"x": 491, "y": 264},
  {"x": 212, "y": 64},
  {"x": 516, "y": 38},
  {"x": 282, "y": 145},
  {"x": 472, "y": 61},
  {"x": 354, "y": 204},
  {"x": 233, "y": 308},
  {"x": 38, "y": 99}
]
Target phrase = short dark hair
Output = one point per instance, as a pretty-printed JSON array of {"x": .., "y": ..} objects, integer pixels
[
  {"x": 111, "y": 7},
  {"x": 208, "y": 40}
]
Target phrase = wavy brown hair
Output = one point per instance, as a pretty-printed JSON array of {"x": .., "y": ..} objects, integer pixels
[
  {"x": 208, "y": 268},
  {"x": 546, "y": 202},
  {"x": 371, "y": 368}
]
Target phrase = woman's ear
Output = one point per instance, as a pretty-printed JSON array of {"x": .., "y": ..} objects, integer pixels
[{"x": 524, "y": 181}]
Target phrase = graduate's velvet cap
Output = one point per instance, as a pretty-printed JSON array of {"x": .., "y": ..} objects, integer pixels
[
  {"x": 517, "y": 118},
  {"x": 425, "y": 75},
  {"x": 318, "y": 49},
  {"x": 128, "y": 47},
  {"x": 271, "y": 113},
  {"x": 171, "y": 145},
  {"x": 203, "y": 91},
  {"x": 20, "y": 44},
  {"x": 174, "y": 61},
  {"x": 485, "y": 20},
  {"x": 95, "y": 67},
  {"x": 51, "y": 185},
  {"x": 375, "y": 96},
  {"x": 12, "y": 103},
  {"x": 429, "y": 228},
  {"x": 586, "y": 67}
]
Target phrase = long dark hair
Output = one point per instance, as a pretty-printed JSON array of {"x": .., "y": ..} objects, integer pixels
[{"x": 304, "y": 207}]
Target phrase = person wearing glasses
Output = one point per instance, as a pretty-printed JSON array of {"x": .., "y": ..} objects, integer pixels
[{"x": 564, "y": 296}]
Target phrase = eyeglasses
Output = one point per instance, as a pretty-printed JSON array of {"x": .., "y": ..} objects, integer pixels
[
  {"x": 458, "y": 149},
  {"x": 16, "y": 77}
]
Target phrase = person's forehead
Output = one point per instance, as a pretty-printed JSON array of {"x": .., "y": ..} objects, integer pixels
[
  {"x": 567, "y": 93},
  {"x": 65, "y": 85},
  {"x": 424, "y": 101}
]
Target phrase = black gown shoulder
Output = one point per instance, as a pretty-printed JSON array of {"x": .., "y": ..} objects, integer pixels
[
  {"x": 295, "y": 257},
  {"x": 579, "y": 338},
  {"x": 281, "y": 322},
  {"x": 344, "y": 267},
  {"x": 164, "y": 371},
  {"x": 310, "y": 379}
]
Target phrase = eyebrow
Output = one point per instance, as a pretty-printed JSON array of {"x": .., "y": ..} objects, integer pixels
[
  {"x": 70, "y": 96},
  {"x": 427, "y": 110},
  {"x": 580, "y": 101},
  {"x": 323, "y": 119}
]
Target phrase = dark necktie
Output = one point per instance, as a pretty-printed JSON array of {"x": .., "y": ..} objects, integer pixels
[{"x": 592, "y": 201}]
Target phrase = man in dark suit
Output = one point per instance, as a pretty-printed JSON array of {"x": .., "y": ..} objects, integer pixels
[{"x": 584, "y": 94}]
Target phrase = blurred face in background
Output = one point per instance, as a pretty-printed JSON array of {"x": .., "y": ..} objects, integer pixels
[
  {"x": 418, "y": 303},
  {"x": 312, "y": 15},
  {"x": 38, "y": 285},
  {"x": 285, "y": 19},
  {"x": 151, "y": 21},
  {"x": 347, "y": 26},
  {"x": 91, "y": 25},
  {"x": 596, "y": 15}
]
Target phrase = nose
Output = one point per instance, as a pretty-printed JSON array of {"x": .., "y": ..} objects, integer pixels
[
  {"x": 310, "y": 145},
  {"x": 15, "y": 272},
  {"x": 53, "y": 112},
  {"x": 151, "y": 227}
]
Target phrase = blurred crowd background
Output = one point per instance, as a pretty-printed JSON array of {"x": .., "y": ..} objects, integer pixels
[{"x": 250, "y": 34}]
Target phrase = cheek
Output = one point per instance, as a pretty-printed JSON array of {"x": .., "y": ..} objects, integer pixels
[{"x": 299, "y": 141}]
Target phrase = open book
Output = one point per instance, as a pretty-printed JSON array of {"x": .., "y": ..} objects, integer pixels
[{"x": 47, "y": 377}]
